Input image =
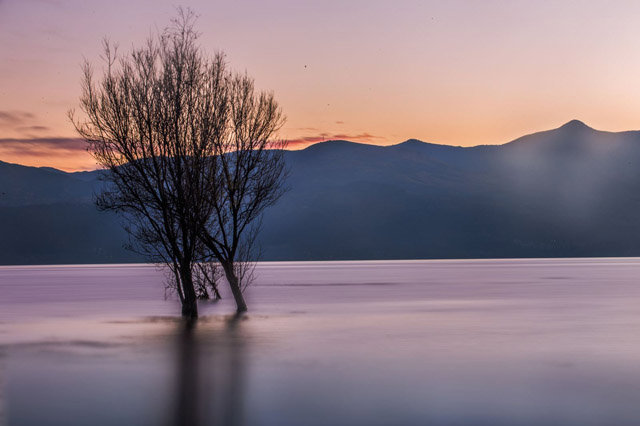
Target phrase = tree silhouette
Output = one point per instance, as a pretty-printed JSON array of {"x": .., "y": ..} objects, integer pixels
[{"x": 185, "y": 144}]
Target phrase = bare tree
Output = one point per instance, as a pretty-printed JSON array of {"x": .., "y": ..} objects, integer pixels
[
  {"x": 247, "y": 176},
  {"x": 189, "y": 157},
  {"x": 151, "y": 122},
  {"x": 206, "y": 276}
]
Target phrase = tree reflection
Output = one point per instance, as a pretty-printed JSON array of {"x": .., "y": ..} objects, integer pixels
[{"x": 210, "y": 384}]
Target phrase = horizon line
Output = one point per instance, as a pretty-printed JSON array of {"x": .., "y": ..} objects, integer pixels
[{"x": 571, "y": 123}]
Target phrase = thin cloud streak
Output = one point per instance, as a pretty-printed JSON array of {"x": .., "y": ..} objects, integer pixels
[
  {"x": 41, "y": 147},
  {"x": 16, "y": 125},
  {"x": 33, "y": 129},
  {"x": 14, "y": 118}
]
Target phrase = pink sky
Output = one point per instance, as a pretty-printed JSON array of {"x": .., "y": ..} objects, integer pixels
[{"x": 453, "y": 72}]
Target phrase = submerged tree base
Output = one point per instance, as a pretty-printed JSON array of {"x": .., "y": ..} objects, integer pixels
[{"x": 190, "y": 311}]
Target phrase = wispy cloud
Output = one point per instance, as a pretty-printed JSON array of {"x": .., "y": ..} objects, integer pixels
[
  {"x": 40, "y": 147},
  {"x": 362, "y": 137},
  {"x": 14, "y": 118},
  {"x": 21, "y": 124},
  {"x": 33, "y": 129}
]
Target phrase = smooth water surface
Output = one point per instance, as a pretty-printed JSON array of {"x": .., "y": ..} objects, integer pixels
[{"x": 487, "y": 342}]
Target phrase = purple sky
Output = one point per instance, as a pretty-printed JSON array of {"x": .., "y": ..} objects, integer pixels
[{"x": 455, "y": 72}]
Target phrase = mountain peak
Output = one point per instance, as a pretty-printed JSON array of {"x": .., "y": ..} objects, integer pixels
[
  {"x": 412, "y": 142},
  {"x": 575, "y": 125},
  {"x": 416, "y": 143}
]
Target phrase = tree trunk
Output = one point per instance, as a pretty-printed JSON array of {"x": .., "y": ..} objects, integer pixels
[
  {"x": 189, "y": 303},
  {"x": 235, "y": 287}
]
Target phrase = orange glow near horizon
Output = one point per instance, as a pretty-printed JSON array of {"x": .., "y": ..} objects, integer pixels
[
  {"x": 68, "y": 155},
  {"x": 450, "y": 72}
]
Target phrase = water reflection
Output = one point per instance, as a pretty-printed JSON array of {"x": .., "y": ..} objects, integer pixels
[
  {"x": 522, "y": 342},
  {"x": 187, "y": 389},
  {"x": 3, "y": 405},
  {"x": 210, "y": 383}
]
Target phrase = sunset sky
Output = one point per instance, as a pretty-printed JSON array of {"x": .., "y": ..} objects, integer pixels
[{"x": 452, "y": 72}]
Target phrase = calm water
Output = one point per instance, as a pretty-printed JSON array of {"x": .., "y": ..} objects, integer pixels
[{"x": 504, "y": 342}]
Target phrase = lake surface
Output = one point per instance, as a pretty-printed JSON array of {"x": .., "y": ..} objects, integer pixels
[{"x": 486, "y": 342}]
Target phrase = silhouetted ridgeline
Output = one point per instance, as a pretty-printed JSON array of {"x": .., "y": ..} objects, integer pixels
[{"x": 572, "y": 191}]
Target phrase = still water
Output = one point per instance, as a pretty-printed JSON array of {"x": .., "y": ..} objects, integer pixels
[{"x": 487, "y": 342}]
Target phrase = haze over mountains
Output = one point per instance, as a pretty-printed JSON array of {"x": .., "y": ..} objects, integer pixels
[{"x": 571, "y": 191}]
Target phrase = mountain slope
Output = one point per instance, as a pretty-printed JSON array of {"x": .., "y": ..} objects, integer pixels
[{"x": 571, "y": 191}]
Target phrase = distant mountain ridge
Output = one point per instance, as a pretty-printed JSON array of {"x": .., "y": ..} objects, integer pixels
[{"x": 570, "y": 191}]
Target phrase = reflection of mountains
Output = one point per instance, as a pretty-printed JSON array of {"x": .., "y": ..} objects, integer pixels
[
  {"x": 565, "y": 192},
  {"x": 211, "y": 375}
]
